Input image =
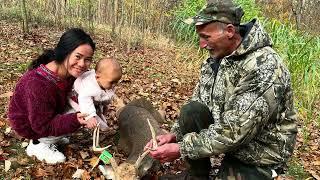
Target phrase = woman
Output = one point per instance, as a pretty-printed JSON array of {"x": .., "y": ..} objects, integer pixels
[{"x": 36, "y": 109}]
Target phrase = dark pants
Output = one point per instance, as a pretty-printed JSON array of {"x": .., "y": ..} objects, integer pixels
[{"x": 194, "y": 117}]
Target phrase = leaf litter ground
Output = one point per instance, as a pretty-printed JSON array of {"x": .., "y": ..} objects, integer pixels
[{"x": 158, "y": 75}]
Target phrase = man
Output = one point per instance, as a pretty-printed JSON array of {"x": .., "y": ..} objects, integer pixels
[{"x": 242, "y": 105}]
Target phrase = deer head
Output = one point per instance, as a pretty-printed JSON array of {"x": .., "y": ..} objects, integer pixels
[{"x": 127, "y": 170}]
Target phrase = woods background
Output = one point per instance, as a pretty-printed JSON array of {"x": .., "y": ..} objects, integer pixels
[{"x": 156, "y": 25}]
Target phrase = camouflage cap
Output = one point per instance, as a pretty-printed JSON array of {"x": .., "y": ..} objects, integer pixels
[{"x": 218, "y": 10}]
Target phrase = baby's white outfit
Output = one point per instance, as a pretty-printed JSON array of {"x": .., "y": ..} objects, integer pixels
[{"x": 90, "y": 94}]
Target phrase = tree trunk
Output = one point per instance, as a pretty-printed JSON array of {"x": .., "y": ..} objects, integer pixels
[
  {"x": 297, "y": 8},
  {"x": 114, "y": 20},
  {"x": 24, "y": 17},
  {"x": 90, "y": 16}
]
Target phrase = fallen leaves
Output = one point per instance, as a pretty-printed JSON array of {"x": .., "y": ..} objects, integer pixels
[
  {"x": 6, "y": 95},
  {"x": 308, "y": 150},
  {"x": 316, "y": 163},
  {"x": 156, "y": 75},
  {"x": 84, "y": 154},
  {"x": 94, "y": 161},
  {"x": 78, "y": 174}
]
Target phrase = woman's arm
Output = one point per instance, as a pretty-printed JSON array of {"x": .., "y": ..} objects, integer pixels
[{"x": 42, "y": 108}]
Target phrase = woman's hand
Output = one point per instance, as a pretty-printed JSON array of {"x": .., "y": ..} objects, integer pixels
[
  {"x": 80, "y": 117},
  {"x": 161, "y": 140},
  {"x": 90, "y": 123}
]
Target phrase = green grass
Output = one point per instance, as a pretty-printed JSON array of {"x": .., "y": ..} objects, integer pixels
[{"x": 296, "y": 170}]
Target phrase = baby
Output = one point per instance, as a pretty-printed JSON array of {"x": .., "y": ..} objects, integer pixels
[{"x": 95, "y": 88}]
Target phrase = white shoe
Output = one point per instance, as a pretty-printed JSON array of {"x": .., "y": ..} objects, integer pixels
[{"x": 47, "y": 152}]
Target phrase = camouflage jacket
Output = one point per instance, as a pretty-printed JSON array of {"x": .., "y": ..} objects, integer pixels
[{"x": 251, "y": 101}]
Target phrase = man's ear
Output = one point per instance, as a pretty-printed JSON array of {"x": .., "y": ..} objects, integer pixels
[{"x": 230, "y": 30}]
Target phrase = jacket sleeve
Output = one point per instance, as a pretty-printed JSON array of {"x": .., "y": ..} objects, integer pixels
[
  {"x": 42, "y": 112},
  {"x": 196, "y": 94},
  {"x": 249, "y": 107},
  {"x": 176, "y": 130}
]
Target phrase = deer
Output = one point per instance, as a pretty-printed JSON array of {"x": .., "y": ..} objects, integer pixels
[{"x": 138, "y": 123}]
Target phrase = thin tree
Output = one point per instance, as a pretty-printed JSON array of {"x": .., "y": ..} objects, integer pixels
[
  {"x": 114, "y": 20},
  {"x": 24, "y": 17}
]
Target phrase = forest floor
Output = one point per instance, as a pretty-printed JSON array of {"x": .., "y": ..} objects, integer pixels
[{"x": 160, "y": 75}]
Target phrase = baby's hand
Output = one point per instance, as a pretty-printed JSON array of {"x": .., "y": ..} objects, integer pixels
[{"x": 91, "y": 123}]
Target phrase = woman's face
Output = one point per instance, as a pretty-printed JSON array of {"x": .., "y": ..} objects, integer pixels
[{"x": 79, "y": 60}]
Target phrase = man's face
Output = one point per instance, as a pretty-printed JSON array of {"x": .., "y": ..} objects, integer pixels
[{"x": 214, "y": 38}]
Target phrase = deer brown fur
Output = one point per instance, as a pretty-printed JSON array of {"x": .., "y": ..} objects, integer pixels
[{"x": 135, "y": 132}]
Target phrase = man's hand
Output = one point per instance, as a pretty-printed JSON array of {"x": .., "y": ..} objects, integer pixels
[
  {"x": 166, "y": 153},
  {"x": 161, "y": 140}
]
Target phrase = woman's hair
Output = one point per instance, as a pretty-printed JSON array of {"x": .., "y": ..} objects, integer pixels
[{"x": 68, "y": 42}]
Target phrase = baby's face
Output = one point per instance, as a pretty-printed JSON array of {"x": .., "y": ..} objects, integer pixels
[{"x": 108, "y": 79}]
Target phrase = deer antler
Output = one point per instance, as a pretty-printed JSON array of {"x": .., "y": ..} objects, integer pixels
[
  {"x": 95, "y": 145},
  {"x": 153, "y": 134},
  {"x": 154, "y": 146}
]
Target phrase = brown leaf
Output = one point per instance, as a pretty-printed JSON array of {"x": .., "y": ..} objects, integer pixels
[
  {"x": 314, "y": 174},
  {"x": 6, "y": 95},
  {"x": 5, "y": 143},
  {"x": 84, "y": 154},
  {"x": 2, "y": 122},
  {"x": 23, "y": 161},
  {"x": 85, "y": 175},
  {"x": 314, "y": 147},
  {"x": 41, "y": 172},
  {"x": 316, "y": 163},
  {"x": 93, "y": 161}
]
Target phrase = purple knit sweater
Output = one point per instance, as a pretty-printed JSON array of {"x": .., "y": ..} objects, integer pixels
[{"x": 37, "y": 105}]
